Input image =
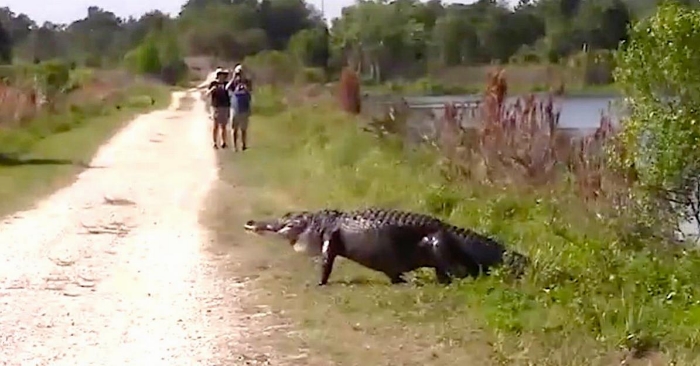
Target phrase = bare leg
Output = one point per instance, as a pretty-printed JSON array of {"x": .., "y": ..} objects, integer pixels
[
  {"x": 223, "y": 134},
  {"x": 244, "y": 138},
  {"x": 235, "y": 137},
  {"x": 215, "y": 133}
]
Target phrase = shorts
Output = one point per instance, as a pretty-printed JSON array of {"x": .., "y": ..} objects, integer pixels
[
  {"x": 240, "y": 121},
  {"x": 220, "y": 115}
]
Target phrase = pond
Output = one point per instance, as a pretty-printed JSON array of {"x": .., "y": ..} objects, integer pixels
[{"x": 576, "y": 112}]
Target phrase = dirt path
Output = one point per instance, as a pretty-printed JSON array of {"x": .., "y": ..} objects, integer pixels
[{"x": 112, "y": 270}]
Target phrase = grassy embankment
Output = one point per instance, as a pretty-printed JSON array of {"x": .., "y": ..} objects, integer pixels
[
  {"x": 44, "y": 151},
  {"x": 599, "y": 289}
]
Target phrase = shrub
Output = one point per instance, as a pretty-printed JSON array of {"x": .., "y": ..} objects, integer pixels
[
  {"x": 310, "y": 47},
  {"x": 313, "y": 75},
  {"x": 272, "y": 67},
  {"x": 660, "y": 74},
  {"x": 55, "y": 77}
]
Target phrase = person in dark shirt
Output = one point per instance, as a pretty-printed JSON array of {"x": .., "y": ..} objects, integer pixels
[{"x": 221, "y": 106}]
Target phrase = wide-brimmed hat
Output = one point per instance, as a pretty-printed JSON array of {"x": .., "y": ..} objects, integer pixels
[{"x": 220, "y": 71}]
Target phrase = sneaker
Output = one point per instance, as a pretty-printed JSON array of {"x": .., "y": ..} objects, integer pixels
[{"x": 223, "y": 146}]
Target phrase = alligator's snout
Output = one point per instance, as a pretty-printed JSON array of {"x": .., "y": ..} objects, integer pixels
[
  {"x": 256, "y": 226},
  {"x": 273, "y": 226},
  {"x": 290, "y": 227}
]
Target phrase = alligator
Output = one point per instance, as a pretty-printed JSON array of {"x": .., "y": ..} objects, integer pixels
[{"x": 393, "y": 242}]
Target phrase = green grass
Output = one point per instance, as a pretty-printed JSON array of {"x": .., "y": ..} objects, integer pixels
[
  {"x": 595, "y": 288},
  {"x": 65, "y": 142}
]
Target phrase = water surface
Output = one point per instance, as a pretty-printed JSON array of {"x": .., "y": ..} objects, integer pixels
[{"x": 576, "y": 112}]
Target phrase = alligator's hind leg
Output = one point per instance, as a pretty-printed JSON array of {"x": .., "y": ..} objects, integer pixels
[
  {"x": 442, "y": 276},
  {"x": 446, "y": 261},
  {"x": 396, "y": 278},
  {"x": 329, "y": 250}
]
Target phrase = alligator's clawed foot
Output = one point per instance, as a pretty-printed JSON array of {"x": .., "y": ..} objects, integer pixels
[
  {"x": 250, "y": 226},
  {"x": 258, "y": 227}
]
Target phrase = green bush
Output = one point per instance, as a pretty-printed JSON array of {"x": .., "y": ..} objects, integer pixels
[
  {"x": 266, "y": 101},
  {"x": 310, "y": 47},
  {"x": 273, "y": 67},
  {"x": 148, "y": 58},
  {"x": 159, "y": 56},
  {"x": 315, "y": 75},
  {"x": 659, "y": 74},
  {"x": 55, "y": 76}
]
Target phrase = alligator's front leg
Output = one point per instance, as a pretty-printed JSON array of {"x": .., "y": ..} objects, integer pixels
[
  {"x": 442, "y": 276},
  {"x": 329, "y": 250},
  {"x": 438, "y": 246}
]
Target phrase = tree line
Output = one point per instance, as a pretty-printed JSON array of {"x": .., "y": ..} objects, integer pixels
[{"x": 385, "y": 38}]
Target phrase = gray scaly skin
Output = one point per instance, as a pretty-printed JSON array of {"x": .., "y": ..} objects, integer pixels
[{"x": 393, "y": 242}]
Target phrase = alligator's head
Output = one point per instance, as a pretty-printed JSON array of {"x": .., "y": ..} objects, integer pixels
[
  {"x": 290, "y": 226},
  {"x": 303, "y": 229}
]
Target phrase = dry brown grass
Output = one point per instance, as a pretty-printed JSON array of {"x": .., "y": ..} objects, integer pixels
[
  {"x": 16, "y": 104},
  {"x": 522, "y": 145},
  {"x": 349, "y": 91}
]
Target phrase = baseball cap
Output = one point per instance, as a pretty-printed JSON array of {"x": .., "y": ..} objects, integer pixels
[{"x": 238, "y": 69}]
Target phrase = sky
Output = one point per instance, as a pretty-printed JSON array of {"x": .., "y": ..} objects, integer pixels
[{"x": 67, "y": 11}]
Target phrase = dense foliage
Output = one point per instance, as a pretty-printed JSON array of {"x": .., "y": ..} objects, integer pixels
[
  {"x": 659, "y": 72},
  {"x": 384, "y": 38}
]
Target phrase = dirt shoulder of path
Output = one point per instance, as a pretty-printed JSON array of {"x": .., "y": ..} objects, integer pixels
[{"x": 116, "y": 268}]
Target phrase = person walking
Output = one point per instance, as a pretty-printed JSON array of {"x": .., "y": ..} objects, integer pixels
[
  {"x": 241, "y": 114},
  {"x": 220, "y": 106}
]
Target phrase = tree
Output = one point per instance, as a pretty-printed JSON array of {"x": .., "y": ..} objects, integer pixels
[
  {"x": 46, "y": 42},
  {"x": 5, "y": 46},
  {"x": 310, "y": 47},
  {"x": 17, "y": 25},
  {"x": 602, "y": 24},
  {"x": 659, "y": 71},
  {"x": 281, "y": 19},
  {"x": 455, "y": 40},
  {"x": 147, "y": 57}
]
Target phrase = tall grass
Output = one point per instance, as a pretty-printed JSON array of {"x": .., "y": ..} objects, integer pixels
[
  {"x": 28, "y": 114},
  {"x": 602, "y": 278}
]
